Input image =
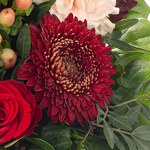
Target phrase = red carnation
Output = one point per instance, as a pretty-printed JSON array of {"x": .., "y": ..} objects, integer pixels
[
  {"x": 124, "y": 6},
  {"x": 19, "y": 112},
  {"x": 68, "y": 68}
]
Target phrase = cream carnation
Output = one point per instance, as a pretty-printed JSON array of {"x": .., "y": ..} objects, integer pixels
[{"x": 94, "y": 11}]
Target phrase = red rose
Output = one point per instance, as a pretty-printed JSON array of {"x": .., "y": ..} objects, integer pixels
[{"x": 19, "y": 112}]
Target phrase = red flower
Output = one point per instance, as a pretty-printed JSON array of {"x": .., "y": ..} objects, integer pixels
[
  {"x": 124, "y": 6},
  {"x": 68, "y": 68},
  {"x": 19, "y": 112}
]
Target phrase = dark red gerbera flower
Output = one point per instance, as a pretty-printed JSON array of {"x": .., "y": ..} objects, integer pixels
[
  {"x": 68, "y": 68},
  {"x": 124, "y": 6}
]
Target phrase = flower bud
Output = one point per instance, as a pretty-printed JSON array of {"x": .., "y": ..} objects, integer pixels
[
  {"x": 7, "y": 17},
  {"x": 23, "y": 4},
  {"x": 9, "y": 57}
]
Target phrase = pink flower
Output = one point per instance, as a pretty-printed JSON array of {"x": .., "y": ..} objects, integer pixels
[{"x": 95, "y": 11}]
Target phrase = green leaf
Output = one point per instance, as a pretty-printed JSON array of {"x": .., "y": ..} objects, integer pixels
[
  {"x": 5, "y": 44},
  {"x": 121, "y": 109},
  {"x": 133, "y": 114},
  {"x": 75, "y": 136},
  {"x": 99, "y": 119},
  {"x": 119, "y": 143},
  {"x": 128, "y": 57},
  {"x": 52, "y": 130},
  {"x": 5, "y": 2},
  {"x": 15, "y": 28},
  {"x": 142, "y": 132},
  {"x": 1, "y": 62},
  {"x": 125, "y": 23},
  {"x": 145, "y": 110},
  {"x": 20, "y": 13},
  {"x": 109, "y": 134},
  {"x": 130, "y": 142},
  {"x": 6, "y": 29},
  {"x": 100, "y": 111},
  {"x": 119, "y": 122},
  {"x": 23, "y": 43},
  {"x": 12, "y": 143},
  {"x": 5, "y": 36},
  {"x": 29, "y": 10},
  {"x": 141, "y": 144},
  {"x": 43, "y": 145},
  {"x": 146, "y": 87},
  {"x": 122, "y": 45},
  {"x": 141, "y": 10},
  {"x": 40, "y": 11},
  {"x": 128, "y": 84},
  {"x": 61, "y": 143}
]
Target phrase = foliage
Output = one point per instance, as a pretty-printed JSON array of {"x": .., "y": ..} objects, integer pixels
[{"x": 125, "y": 123}]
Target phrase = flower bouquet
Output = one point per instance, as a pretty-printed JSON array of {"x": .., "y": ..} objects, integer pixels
[{"x": 74, "y": 75}]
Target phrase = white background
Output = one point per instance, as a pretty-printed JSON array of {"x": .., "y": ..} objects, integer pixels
[{"x": 148, "y": 2}]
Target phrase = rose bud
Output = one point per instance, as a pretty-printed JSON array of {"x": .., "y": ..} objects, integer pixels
[
  {"x": 9, "y": 57},
  {"x": 7, "y": 17},
  {"x": 23, "y": 4}
]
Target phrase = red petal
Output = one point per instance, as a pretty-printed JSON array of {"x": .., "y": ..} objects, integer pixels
[
  {"x": 55, "y": 110},
  {"x": 45, "y": 102},
  {"x": 39, "y": 87},
  {"x": 71, "y": 115}
]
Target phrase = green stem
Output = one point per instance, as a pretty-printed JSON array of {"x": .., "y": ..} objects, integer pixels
[
  {"x": 117, "y": 130},
  {"x": 132, "y": 100}
]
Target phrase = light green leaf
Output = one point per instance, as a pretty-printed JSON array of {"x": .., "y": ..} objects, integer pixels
[
  {"x": 29, "y": 10},
  {"x": 100, "y": 111},
  {"x": 128, "y": 57},
  {"x": 125, "y": 23},
  {"x": 141, "y": 144},
  {"x": 146, "y": 87},
  {"x": 141, "y": 10},
  {"x": 142, "y": 132},
  {"x": 99, "y": 119},
  {"x": 119, "y": 122},
  {"x": 109, "y": 134},
  {"x": 130, "y": 142},
  {"x": 75, "y": 136},
  {"x": 23, "y": 43},
  {"x": 119, "y": 143},
  {"x": 133, "y": 114},
  {"x": 43, "y": 145},
  {"x": 145, "y": 110}
]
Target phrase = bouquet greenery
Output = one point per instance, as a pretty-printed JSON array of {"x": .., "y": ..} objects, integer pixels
[{"x": 74, "y": 75}]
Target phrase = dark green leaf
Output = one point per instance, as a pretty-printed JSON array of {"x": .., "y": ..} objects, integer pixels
[
  {"x": 128, "y": 57},
  {"x": 146, "y": 87},
  {"x": 119, "y": 122},
  {"x": 122, "y": 45},
  {"x": 100, "y": 111},
  {"x": 128, "y": 84},
  {"x": 43, "y": 145},
  {"x": 117, "y": 77},
  {"x": 52, "y": 130},
  {"x": 142, "y": 132},
  {"x": 121, "y": 109},
  {"x": 15, "y": 28},
  {"x": 130, "y": 142},
  {"x": 133, "y": 114},
  {"x": 6, "y": 29},
  {"x": 113, "y": 99},
  {"x": 119, "y": 143},
  {"x": 61, "y": 143},
  {"x": 40, "y": 11},
  {"x": 109, "y": 134},
  {"x": 141, "y": 144},
  {"x": 114, "y": 35},
  {"x": 5, "y": 2},
  {"x": 125, "y": 23},
  {"x": 145, "y": 110},
  {"x": 5, "y": 36},
  {"x": 23, "y": 43},
  {"x": 5, "y": 44},
  {"x": 1, "y": 62}
]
